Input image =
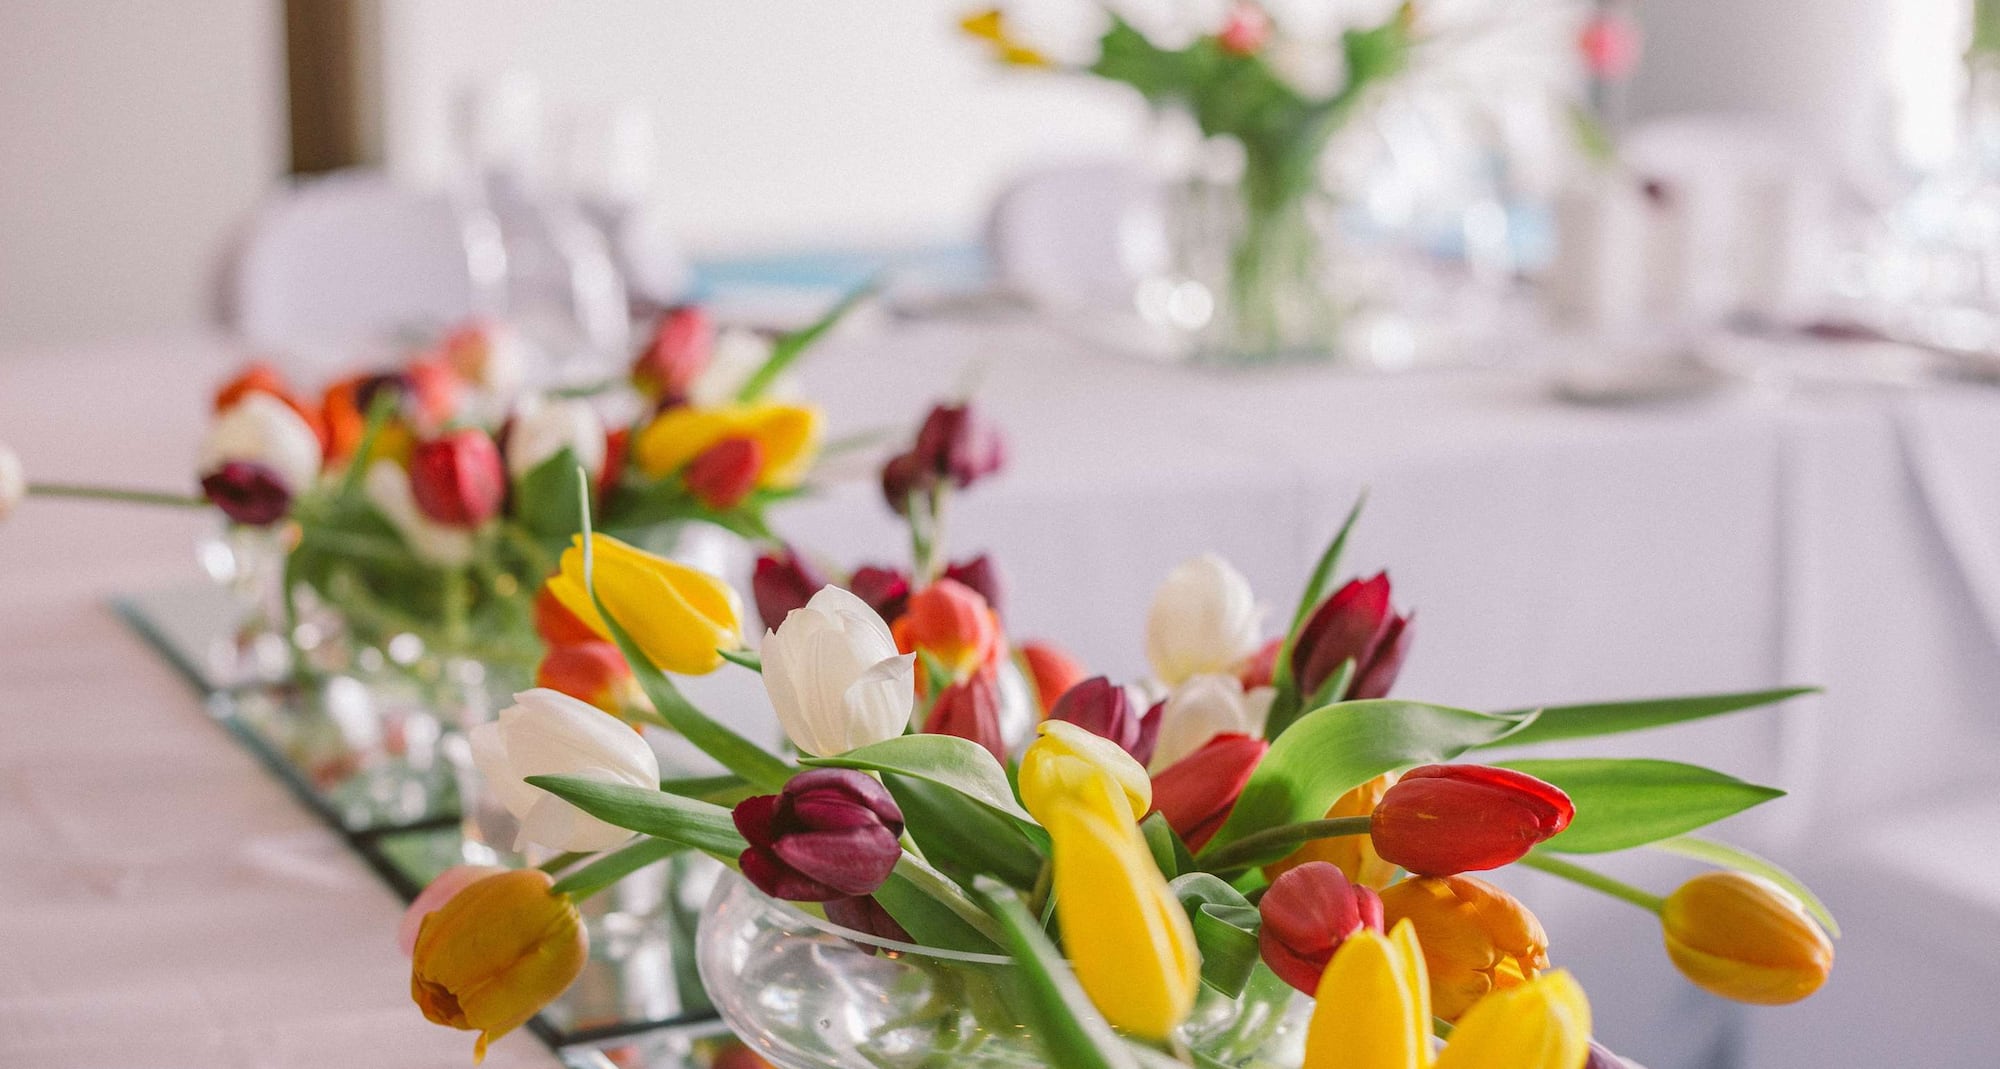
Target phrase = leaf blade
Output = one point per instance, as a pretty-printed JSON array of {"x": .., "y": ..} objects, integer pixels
[
  {"x": 1611, "y": 718},
  {"x": 1626, "y": 803}
]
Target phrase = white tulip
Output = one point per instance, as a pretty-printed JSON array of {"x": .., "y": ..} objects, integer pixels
[
  {"x": 549, "y": 733},
  {"x": 261, "y": 429},
  {"x": 13, "y": 481},
  {"x": 835, "y": 676},
  {"x": 1203, "y": 707},
  {"x": 1204, "y": 619},
  {"x": 546, "y": 426},
  {"x": 388, "y": 489}
]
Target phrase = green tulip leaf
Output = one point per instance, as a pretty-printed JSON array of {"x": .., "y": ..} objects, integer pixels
[
  {"x": 1066, "y": 1024},
  {"x": 947, "y": 760},
  {"x": 1613, "y": 718},
  {"x": 615, "y": 866},
  {"x": 788, "y": 348},
  {"x": 690, "y": 823},
  {"x": 1170, "y": 852},
  {"x": 1723, "y": 855},
  {"x": 545, "y": 499},
  {"x": 962, "y": 835},
  {"x": 1333, "y": 750},
  {"x": 1621, "y": 804},
  {"x": 1225, "y": 930}
]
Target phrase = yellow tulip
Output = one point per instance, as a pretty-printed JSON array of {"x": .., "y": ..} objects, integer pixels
[
  {"x": 990, "y": 25},
  {"x": 496, "y": 953},
  {"x": 1123, "y": 931},
  {"x": 788, "y": 434},
  {"x": 1068, "y": 766},
  {"x": 1745, "y": 938},
  {"x": 679, "y": 616},
  {"x": 1354, "y": 855},
  {"x": 1371, "y": 1012},
  {"x": 1477, "y": 938}
]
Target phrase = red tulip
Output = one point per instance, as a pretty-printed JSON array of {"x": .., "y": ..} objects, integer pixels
[
  {"x": 832, "y": 833},
  {"x": 1246, "y": 30},
  {"x": 1610, "y": 44},
  {"x": 458, "y": 479},
  {"x": 679, "y": 352},
  {"x": 1104, "y": 709},
  {"x": 952, "y": 623},
  {"x": 970, "y": 709},
  {"x": 722, "y": 476},
  {"x": 1052, "y": 671},
  {"x": 1355, "y": 624},
  {"x": 248, "y": 493},
  {"x": 982, "y": 575},
  {"x": 616, "y": 443},
  {"x": 956, "y": 443},
  {"x": 1308, "y": 912},
  {"x": 1260, "y": 668},
  {"x": 886, "y": 590},
  {"x": 782, "y": 582},
  {"x": 1197, "y": 792},
  {"x": 1441, "y": 820}
]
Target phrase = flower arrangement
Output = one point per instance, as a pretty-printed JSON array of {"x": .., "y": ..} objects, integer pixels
[{"x": 1273, "y": 835}]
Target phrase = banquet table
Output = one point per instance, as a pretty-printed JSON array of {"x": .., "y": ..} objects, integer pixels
[{"x": 166, "y": 904}]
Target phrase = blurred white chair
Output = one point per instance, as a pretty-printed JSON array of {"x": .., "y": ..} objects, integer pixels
[
  {"x": 1078, "y": 235},
  {"x": 354, "y": 257}
]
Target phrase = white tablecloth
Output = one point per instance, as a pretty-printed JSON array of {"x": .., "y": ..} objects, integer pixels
[{"x": 167, "y": 905}]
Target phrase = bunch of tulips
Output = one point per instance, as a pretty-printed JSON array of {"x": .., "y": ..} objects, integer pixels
[{"x": 1259, "y": 808}]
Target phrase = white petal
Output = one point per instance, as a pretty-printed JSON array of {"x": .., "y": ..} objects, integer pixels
[
  {"x": 489, "y": 756},
  {"x": 558, "y": 825},
  {"x": 879, "y": 703},
  {"x": 264, "y": 430},
  {"x": 1199, "y": 709}
]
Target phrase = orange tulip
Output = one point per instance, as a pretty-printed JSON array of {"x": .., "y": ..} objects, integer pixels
[
  {"x": 1052, "y": 670},
  {"x": 1745, "y": 938},
  {"x": 1354, "y": 854},
  {"x": 1477, "y": 938},
  {"x": 496, "y": 953},
  {"x": 952, "y": 623},
  {"x": 593, "y": 672}
]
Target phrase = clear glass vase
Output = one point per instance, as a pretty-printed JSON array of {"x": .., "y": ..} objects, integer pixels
[{"x": 808, "y": 994}]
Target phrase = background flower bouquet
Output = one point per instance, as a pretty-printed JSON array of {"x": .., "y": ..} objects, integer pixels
[{"x": 1124, "y": 888}]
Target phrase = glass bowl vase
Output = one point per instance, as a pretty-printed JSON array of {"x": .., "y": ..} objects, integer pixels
[{"x": 805, "y": 993}]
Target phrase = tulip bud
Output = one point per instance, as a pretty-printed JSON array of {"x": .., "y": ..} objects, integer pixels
[
  {"x": 1444, "y": 819},
  {"x": 835, "y": 677},
  {"x": 1307, "y": 913},
  {"x": 433, "y": 897},
  {"x": 1104, "y": 709},
  {"x": 497, "y": 952},
  {"x": 1066, "y": 764},
  {"x": 13, "y": 481},
  {"x": 1354, "y": 855},
  {"x": 981, "y": 575},
  {"x": 832, "y": 833},
  {"x": 679, "y": 352},
  {"x": 1052, "y": 671},
  {"x": 970, "y": 709},
  {"x": 952, "y": 623},
  {"x": 1246, "y": 30},
  {"x": 783, "y": 581},
  {"x": 1203, "y": 707},
  {"x": 865, "y": 915},
  {"x": 722, "y": 476},
  {"x": 1355, "y": 624},
  {"x": 547, "y": 733},
  {"x": 1745, "y": 938},
  {"x": 1196, "y": 793},
  {"x": 886, "y": 590},
  {"x": 1476, "y": 937},
  {"x": 903, "y": 476},
  {"x": 544, "y": 428},
  {"x": 616, "y": 444},
  {"x": 1203, "y": 620},
  {"x": 458, "y": 479},
  {"x": 247, "y": 492},
  {"x": 556, "y": 625},
  {"x": 489, "y": 355},
  {"x": 593, "y": 672},
  {"x": 956, "y": 443},
  {"x": 261, "y": 429},
  {"x": 679, "y": 617}
]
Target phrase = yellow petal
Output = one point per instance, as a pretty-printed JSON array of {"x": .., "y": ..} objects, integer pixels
[
  {"x": 677, "y": 615},
  {"x": 1365, "y": 1011},
  {"x": 677, "y": 436},
  {"x": 1065, "y": 759},
  {"x": 986, "y": 25},
  {"x": 1125, "y": 935},
  {"x": 1410, "y": 956},
  {"x": 790, "y": 437},
  {"x": 1543, "y": 1024}
]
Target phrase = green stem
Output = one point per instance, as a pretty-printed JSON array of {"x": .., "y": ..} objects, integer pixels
[
  {"x": 80, "y": 492},
  {"x": 939, "y": 886},
  {"x": 1275, "y": 841},
  {"x": 1596, "y": 881},
  {"x": 556, "y": 864}
]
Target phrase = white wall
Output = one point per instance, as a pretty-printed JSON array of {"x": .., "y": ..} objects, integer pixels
[
  {"x": 780, "y": 122},
  {"x": 133, "y": 135}
]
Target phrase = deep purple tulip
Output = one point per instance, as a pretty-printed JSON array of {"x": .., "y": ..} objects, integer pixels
[
  {"x": 1105, "y": 710},
  {"x": 1355, "y": 624},
  {"x": 886, "y": 590},
  {"x": 903, "y": 476},
  {"x": 782, "y": 582},
  {"x": 831, "y": 833},
  {"x": 247, "y": 492},
  {"x": 865, "y": 915},
  {"x": 957, "y": 443},
  {"x": 982, "y": 575}
]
